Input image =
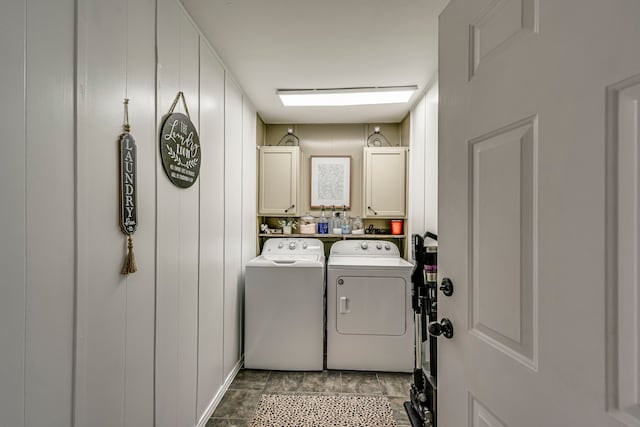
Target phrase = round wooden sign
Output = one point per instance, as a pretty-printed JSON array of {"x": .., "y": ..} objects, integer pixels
[{"x": 180, "y": 150}]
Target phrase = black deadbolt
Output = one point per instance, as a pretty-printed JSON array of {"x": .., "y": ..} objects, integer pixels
[{"x": 446, "y": 286}]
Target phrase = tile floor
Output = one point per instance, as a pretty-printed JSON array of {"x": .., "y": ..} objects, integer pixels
[{"x": 239, "y": 403}]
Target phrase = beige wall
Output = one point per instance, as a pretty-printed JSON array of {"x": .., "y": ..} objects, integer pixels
[
  {"x": 405, "y": 131},
  {"x": 332, "y": 140},
  {"x": 260, "y": 130}
]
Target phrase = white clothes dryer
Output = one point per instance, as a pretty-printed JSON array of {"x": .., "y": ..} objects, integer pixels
[
  {"x": 284, "y": 306},
  {"x": 369, "y": 314}
]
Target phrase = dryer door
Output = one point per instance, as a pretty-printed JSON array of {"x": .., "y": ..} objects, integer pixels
[{"x": 371, "y": 305}]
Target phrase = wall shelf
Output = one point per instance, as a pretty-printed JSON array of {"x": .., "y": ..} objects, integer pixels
[{"x": 339, "y": 236}]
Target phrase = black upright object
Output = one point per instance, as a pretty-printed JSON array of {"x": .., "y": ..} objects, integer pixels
[{"x": 421, "y": 407}]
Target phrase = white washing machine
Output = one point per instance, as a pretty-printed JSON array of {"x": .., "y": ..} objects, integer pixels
[
  {"x": 369, "y": 315},
  {"x": 284, "y": 306}
]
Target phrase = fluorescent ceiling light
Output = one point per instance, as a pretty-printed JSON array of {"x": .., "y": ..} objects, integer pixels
[{"x": 344, "y": 97}]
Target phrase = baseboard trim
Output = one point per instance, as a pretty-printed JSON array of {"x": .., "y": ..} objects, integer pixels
[{"x": 218, "y": 397}]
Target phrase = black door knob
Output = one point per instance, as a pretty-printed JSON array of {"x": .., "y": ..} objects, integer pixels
[
  {"x": 444, "y": 327},
  {"x": 446, "y": 286}
]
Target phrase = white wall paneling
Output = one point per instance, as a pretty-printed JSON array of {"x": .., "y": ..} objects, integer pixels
[
  {"x": 232, "y": 225},
  {"x": 37, "y": 230},
  {"x": 423, "y": 164},
  {"x": 177, "y": 231},
  {"x": 431, "y": 160},
  {"x": 117, "y": 312},
  {"x": 13, "y": 215},
  {"x": 249, "y": 181},
  {"x": 503, "y": 183},
  {"x": 50, "y": 220},
  {"x": 417, "y": 169},
  {"x": 104, "y": 344},
  {"x": 140, "y": 287},
  {"x": 423, "y": 170},
  {"x": 149, "y": 348},
  {"x": 211, "y": 289},
  {"x": 623, "y": 237}
]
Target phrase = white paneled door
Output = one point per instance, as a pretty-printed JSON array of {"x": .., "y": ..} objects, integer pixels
[{"x": 539, "y": 204}]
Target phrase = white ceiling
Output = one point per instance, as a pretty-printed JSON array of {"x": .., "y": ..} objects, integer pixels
[{"x": 303, "y": 44}]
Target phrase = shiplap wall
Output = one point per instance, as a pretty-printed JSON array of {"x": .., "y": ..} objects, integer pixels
[
  {"x": 152, "y": 348},
  {"x": 423, "y": 164},
  {"x": 36, "y": 212},
  {"x": 211, "y": 373}
]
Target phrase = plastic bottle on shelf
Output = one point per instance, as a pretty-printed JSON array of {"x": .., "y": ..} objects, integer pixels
[
  {"x": 332, "y": 218},
  {"x": 346, "y": 223},
  {"x": 323, "y": 223},
  {"x": 336, "y": 225}
]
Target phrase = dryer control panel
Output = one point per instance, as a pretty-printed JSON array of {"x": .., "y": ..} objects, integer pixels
[{"x": 365, "y": 247}]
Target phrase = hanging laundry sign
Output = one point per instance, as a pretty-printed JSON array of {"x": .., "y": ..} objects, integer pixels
[
  {"x": 128, "y": 190},
  {"x": 128, "y": 196},
  {"x": 180, "y": 147}
]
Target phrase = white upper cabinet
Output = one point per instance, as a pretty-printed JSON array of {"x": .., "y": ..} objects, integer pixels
[
  {"x": 279, "y": 181},
  {"x": 384, "y": 183}
]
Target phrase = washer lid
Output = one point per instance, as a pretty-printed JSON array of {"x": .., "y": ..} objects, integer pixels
[
  {"x": 287, "y": 261},
  {"x": 368, "y": 261},
  {"x": 279, "y": 258}
]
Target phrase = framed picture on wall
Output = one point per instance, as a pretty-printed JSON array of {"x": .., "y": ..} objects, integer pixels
[{"x": 330, "y": 181}]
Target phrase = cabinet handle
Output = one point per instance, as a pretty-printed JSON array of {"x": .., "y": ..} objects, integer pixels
[
  {"x": 371, "y": 209},
  {"x": 290, "y": 207}
]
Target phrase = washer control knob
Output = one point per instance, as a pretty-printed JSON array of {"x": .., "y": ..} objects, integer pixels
[
  {"x": 304, "y": 246},
  {"x": 364, "y": 245},
  {"x": 279, "y": 245},
  {"x": 292, "y": 245},
  {"x": 387, "y": 246},
  {"x": 379, "y": 246}
]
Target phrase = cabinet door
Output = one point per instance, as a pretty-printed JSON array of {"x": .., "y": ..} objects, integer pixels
[
  {"x": 384, "y": 182},
  {"x": 279, "y": 181}
]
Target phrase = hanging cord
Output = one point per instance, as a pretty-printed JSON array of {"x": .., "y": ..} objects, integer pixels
[
  {"x": 184, "y": 102},
  {"x": 289, "y": 139},
  {"x": 129, "y": 265},
  {"x": 127, "y": 126}
]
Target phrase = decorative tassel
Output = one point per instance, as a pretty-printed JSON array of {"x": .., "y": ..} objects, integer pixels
[{"x": 130, "y": 260}]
